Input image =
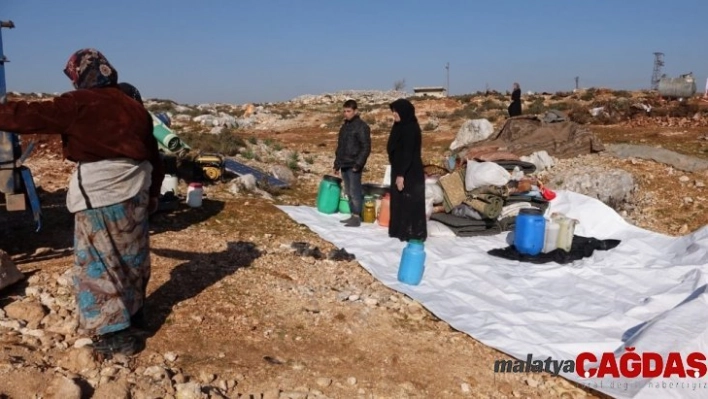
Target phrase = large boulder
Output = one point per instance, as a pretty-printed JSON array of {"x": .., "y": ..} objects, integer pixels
[{"x": 614, "y": 187}]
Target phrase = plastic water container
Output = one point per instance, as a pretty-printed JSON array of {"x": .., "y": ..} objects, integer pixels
[
  {"x": 529, "y": 231},
  {"x": 412, "y": 266},
  {"x": 169, "y": 183},
  {"x": 195, "y": 193},
  {"x": 550, "y": 241},
  {"x": 566, "y": 231},
  {"x": 384, "y": 215},
  {"x": 328, "y": 195},
  {"x": 344, "y": 207}
]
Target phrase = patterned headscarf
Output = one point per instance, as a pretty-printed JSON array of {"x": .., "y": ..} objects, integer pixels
[{"x": 88, "y": 68}]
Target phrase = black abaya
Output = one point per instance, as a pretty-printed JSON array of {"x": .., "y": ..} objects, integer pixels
[
  {"x": 515, "y": 106},
  {"x": 408, "y": 221}
]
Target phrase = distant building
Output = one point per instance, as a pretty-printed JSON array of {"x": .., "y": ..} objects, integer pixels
[{"x": 430, "y": 91}]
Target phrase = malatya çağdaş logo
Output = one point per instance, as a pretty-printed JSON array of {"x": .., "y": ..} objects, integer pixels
[{"x": 629, "y": 365}]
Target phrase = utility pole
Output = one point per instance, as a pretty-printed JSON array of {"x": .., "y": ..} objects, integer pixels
[
  {"x": 656, "y": 74},
  {"x": 577, "y": 79},
  {"x": 447, "y": 67}
]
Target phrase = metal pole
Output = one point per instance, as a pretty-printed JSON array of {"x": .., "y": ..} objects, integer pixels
[
  {"x": 447, "y": 67},
  {"x": 9, "y": 144}
]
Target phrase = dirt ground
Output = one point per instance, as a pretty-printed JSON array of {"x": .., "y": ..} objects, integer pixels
[{"x": 233, "y": 307}]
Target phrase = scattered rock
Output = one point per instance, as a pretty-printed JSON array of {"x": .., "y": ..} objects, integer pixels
[
  {"x": 114, "y": 389},
  {"x": 81, "y": 342},
  {"x": 170, "y": 356},
  {"x": 63, "y": 388},
  {"x": 370, "y": 97},
  {"x": 206, "y": 377},
  {"x": 684, "y": 179},
  {"x": 189, "y": 390},
  {"x": 283, "y": 173},
  {"x": 324, "y": 382},
  {"x": 245, "y": 183},
  {"x": 465, "y": 387},
  {"x": 271, "y": 394},
  {"x": 78, "y": 360},
  {"x": 371, "y": 302},
  {"x": 351, "y": 381},
  {"x": 29, "y": 311}
]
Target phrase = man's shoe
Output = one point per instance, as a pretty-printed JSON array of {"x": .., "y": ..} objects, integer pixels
[
  {"x": 347, "y": 220},
  {"x": 354, "y": 222}
]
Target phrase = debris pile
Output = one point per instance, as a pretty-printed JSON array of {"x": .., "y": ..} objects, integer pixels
[{"x": 362, "y": 97}]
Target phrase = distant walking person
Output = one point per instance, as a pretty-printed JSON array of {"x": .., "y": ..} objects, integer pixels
[
  {"x": 515, "y": 106},
  {"x": 404, "y": 148},
  {"x": 353, "y": 149}
]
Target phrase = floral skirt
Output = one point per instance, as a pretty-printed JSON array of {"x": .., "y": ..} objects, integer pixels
[{"x": 112, "y": 264}]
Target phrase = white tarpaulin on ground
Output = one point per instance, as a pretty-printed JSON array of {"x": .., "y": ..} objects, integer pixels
[{"x": 648, "y": 293}]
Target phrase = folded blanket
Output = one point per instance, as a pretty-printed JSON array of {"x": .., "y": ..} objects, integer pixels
[
  {"x": 464, "y": 211},
  {"x": 582, "y": 247},
  {"x": 488, "y": 205},
  {"x": 465, "y": 227},
  {"x": 500, "y": 191}
]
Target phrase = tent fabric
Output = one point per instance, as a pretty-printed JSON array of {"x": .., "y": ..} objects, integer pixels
[{"x": 648, "y": 293}]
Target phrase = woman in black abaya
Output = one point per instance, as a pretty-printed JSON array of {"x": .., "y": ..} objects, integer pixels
[{"x": 408, "y": 221}]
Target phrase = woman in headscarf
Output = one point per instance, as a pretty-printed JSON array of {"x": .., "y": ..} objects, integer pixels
[
  {"x": 113, "y": 189},
  {"x": 515, "y": 106},
  {"x": 408, "y": 221}
]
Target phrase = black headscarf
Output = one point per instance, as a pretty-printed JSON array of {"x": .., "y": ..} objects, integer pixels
[
  {"x": 131, "y": 91},
  {"x": 407, "y": 126},
  {"x": 405, "y": 109}
]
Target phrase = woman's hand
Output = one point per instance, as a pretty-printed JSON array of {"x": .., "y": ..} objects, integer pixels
[{"x": 399, "y": 183}]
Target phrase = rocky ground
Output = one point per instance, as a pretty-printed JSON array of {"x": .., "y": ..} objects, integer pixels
[{"x": 243, "y": 305}]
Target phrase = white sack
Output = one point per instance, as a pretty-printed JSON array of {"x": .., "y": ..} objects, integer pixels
[
  {"x": 480, "y": 174},
  {"x": 472, "y": 131}
]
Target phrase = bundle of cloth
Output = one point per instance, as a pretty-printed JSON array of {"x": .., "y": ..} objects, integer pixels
[{"x": 482, "y": 197}]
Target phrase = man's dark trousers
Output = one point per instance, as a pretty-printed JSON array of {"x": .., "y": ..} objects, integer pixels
[{"x": 353, "y": 190}]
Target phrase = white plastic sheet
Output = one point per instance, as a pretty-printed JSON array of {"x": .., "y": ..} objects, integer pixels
[{"x": 648, "y": 293}]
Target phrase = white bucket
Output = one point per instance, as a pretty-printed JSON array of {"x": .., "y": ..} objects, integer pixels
[{"x": 169, "y": 183}]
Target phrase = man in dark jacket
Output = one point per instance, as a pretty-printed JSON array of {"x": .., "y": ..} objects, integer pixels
[{"x": 353, "y": 149}]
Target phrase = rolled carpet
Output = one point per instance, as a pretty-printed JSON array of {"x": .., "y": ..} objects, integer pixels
[{"x": 488, "y": 205}]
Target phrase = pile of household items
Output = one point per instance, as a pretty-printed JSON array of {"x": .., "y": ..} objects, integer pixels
[{"x": 480, "y": 191}]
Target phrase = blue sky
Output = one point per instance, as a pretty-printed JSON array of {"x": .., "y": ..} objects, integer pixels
[{"x": 273, "y": 50}]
